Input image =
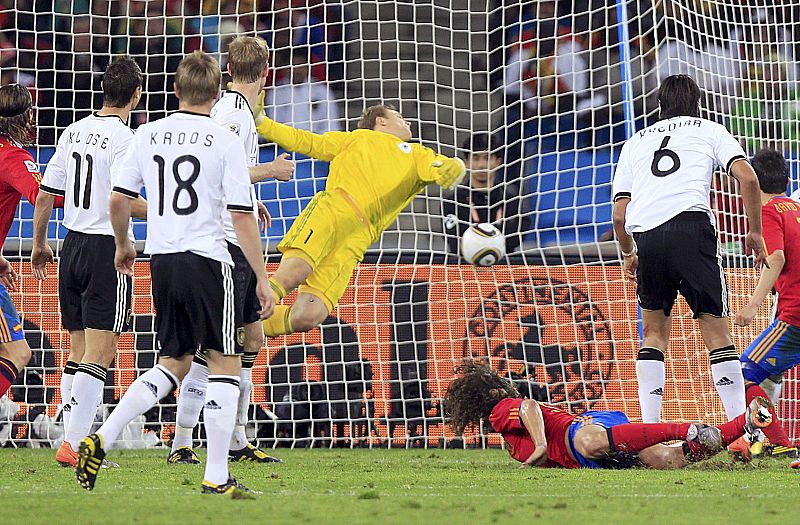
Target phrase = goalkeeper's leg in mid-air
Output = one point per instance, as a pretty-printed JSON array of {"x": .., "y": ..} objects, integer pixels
[{"x": 320, "y": 253}]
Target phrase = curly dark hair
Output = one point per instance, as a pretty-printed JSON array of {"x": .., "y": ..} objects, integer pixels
[
  {"x": 16, "y": 123},
  {"x": 472, "y": 396}
]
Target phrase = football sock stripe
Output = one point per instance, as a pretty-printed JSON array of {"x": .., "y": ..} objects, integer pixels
[
  {"x": 277, "y": 289},
  {"x": 279, "y": 323}
]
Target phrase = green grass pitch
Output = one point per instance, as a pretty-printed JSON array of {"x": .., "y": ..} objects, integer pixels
[{"x": 396, "y": 486}]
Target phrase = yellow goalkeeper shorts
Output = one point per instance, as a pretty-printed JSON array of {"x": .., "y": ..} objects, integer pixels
[{"x": 332, "y": 237}]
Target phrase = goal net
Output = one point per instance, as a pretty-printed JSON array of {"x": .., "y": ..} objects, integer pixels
[{"x": 555, "y": 86}]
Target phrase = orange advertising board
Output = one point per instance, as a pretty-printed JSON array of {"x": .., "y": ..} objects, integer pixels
[{"x": 572, "y": 329}]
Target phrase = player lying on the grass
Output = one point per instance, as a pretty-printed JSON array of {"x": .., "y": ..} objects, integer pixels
[
  {"x": 194, "y": 169},
  {"x": 94, "y": 300},
  {"x": 248, "y": 66},
  {"x": 20, "y": 176},
  {"x": 374, "y": 174},
  {"x": 539, "y": 434},
  {"x": 777, "y": 349}
]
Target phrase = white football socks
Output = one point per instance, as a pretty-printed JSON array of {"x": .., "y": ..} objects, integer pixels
[
  {"x": 87, "y": 394},
  {"x": 67, "y": 378},
  {"x": 190, "y": 404},
  {"x": 651, "y": 376},
  {"x": 726, "y": 370},
  {"x": 143, "y": 394},
  {"x": 219, "y": 417},
  {"x": 183, "y": 437},
  {"x": 239, "y": 438}
]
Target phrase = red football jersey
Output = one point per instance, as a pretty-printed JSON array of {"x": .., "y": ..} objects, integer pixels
[
  {"x": 780, "y": 219},
  {"x": 505, "y": 419},
  {"x": 19, "y": 176}
]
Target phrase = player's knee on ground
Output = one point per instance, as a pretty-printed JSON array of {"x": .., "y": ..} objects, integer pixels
[
  {"x": 663, "y": 457},
  {"x": 591, "y": 442}
]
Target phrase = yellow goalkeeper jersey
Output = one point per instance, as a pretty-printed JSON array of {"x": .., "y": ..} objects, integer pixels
[{"x": 379, "y": 171}]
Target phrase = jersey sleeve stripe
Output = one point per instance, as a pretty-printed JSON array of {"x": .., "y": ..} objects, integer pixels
[
  {"x": 52, "y": 191},
  {"x": 240, "y": 207},
  {"x": 126, "y": 192},
  {"x": 734, "y": 159},
  {"x": 622, "y": 195}
]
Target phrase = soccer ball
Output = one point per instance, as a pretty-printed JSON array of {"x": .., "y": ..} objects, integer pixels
[{"x": 483, "y": 244}]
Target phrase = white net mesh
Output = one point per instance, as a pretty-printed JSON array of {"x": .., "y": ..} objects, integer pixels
[{"x": 544, "y": 80}]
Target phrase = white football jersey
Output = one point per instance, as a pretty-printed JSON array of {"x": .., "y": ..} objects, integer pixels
[
  {"x": 667, "y": 168},
  {"x": 80, "y": 171},
  {"x": 233, "y": 112},
  {"x": 192, "y": 169}
]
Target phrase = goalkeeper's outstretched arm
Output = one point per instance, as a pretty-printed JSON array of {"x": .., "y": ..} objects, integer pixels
[
  {"x": 321, "y": 147},
  {"x": 447, "y": 172}
]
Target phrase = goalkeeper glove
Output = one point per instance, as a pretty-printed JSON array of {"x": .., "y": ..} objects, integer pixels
[
  {"x": 258, "y": 110},
  {"x": 450, "y": 172}
]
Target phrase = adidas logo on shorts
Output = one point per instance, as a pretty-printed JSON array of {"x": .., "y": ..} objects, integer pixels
[
  {"x": 212, "y": 405},
  {"x": 657, "y": 392},
  {"x": 724, "y": 381}
]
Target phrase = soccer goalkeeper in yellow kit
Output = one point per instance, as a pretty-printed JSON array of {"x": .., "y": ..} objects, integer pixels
[{"x": 374, "y": 174}]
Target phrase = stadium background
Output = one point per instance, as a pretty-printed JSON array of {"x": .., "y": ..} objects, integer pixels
[{"x": 558, "y": 84}]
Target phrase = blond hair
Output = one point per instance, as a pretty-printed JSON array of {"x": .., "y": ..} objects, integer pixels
[
  {"x": 247, "y": 58},
  {"x": 198, "y": 78},
  {"x": 369, "y": 118}
]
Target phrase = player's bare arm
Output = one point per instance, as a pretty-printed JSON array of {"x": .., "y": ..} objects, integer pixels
[
  {"x": 751, "y": 195},
  {"x": 41, "y": 253},
  {"x": 630, "y": 259},
  {"x": 531, "y": 416},
  {"x": 139, "y": 208},
  {"x": 247, "y": 233},
  {"x": 8, "y": 276},
  {"x": 264, "y": 218},
  {"x": 282, "y": 169},
  {"x": 120, "y": 213},
  {"x": 773, "y": 266}
]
